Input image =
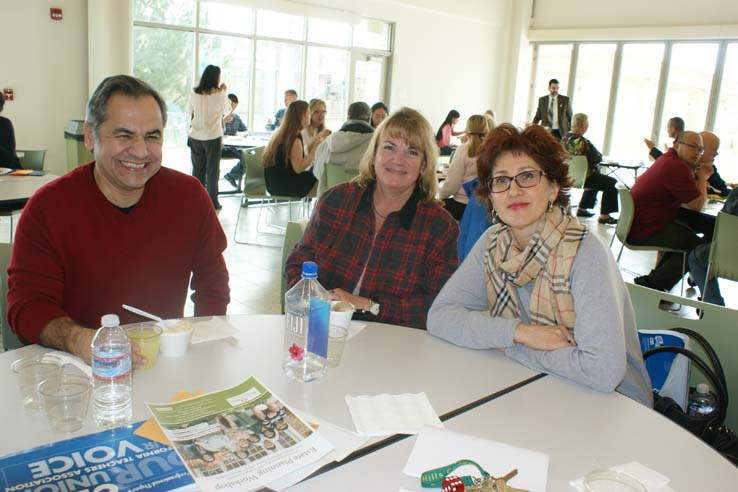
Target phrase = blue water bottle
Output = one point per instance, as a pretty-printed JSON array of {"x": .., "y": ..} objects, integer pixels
[{"x": 307, "y": 308}]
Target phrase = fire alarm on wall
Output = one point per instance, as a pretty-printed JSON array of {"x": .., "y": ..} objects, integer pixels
[
  {"x": 56, "y": 13},
  {"x": 8, "y": 94}
]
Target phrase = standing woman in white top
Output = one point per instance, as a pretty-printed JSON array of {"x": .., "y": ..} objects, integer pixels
[
  {"x": 463, "y": 167},
  {"x": 207, "y": 106}
]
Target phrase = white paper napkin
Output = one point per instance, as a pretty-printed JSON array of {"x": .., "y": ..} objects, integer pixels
[
  {"x": 384, "y": 414},
  {"x": 651, "y": 479},
  {"x": 434, "y": 448},
  {"x": 210, "y": 329}
]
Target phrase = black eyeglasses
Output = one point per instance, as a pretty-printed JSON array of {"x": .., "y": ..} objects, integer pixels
[
  {"x": 699, "y": 149},
  {"x": 526, "y": 179}
]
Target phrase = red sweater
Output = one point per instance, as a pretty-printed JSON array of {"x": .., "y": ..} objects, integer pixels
[
  {"x": 77, "y": 255},
  {"x": 659, "y": 192}
]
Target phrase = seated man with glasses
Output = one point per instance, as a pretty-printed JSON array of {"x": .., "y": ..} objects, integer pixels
[{"x": 667, "y": 200}]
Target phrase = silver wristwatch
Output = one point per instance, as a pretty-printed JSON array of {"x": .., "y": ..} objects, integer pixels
[{"x": 373, "y": 307}]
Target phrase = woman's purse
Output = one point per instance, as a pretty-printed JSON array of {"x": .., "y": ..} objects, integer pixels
[{"x": 708, "y": 428}]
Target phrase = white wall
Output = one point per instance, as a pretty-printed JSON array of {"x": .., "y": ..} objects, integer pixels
[{"x": 45, "y": 62}]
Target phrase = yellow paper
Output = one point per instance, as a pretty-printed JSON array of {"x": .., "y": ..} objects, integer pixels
[{"x": 151, "y": 430}]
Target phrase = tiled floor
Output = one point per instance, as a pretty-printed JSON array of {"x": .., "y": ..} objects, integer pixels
[{"x": 255, "y": 270}]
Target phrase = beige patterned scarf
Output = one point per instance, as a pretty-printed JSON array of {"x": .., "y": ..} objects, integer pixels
[{"x": 547, "y": 259}]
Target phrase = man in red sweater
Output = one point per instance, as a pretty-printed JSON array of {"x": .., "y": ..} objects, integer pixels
[
  {"x": 667, "y": 199},
  {"x": 120, "y": 229}
]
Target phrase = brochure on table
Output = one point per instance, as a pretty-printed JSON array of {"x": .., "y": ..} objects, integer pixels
[
  {"x": 240, "y": 438},
  {"x": 110, "y": 460}
]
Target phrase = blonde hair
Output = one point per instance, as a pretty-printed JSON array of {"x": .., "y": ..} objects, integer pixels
[
  {"x": 476, "y": 130},
  {"x": 313, "y": 107},
  {"x": 578, "y": 123},
  {"x": 412, "y": 127}
]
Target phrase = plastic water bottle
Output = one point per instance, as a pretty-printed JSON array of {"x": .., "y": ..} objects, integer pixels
[
  {"x": 307, "y": 310},
  {"x": 111, "y": 370},
  {"x": 702, "y": 402}
]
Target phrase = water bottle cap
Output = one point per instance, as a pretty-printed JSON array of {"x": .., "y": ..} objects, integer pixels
[
  {"x": 309, "y": 269},
  {"x": 703, "y": 388},
  {"x": 110, "y": 320}
]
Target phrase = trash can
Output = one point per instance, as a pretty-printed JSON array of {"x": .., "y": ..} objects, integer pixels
[{"x": 74, "y": 137}]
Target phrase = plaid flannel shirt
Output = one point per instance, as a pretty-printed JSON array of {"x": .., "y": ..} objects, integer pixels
[
  {"x": 413, "y": 255},
  {"x": 234, "y": 126}
]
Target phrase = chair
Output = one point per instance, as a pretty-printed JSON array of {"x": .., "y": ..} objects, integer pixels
[
  {"x": 31, "y": 159},
  {"x": 578, "y": 170},
  {"x": 627, "y": 212},
  {"x": 336, "y": 174},
  {"x": 717, "y": 325},
  {"x": 292, "y": 235},
  {"x": 9, "y": 339},
  {"x": 254, "y": 188},
  {"x": 723, "y": 260}
]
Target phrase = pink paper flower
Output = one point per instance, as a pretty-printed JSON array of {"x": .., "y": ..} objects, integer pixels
[{"x": 296, "y": 352}]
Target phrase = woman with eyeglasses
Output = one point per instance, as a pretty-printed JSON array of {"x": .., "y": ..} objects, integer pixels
[{"x": 537, "y": 285}]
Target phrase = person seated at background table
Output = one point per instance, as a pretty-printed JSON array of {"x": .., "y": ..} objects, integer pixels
[
  {"x": 674, "y": 129},
  {"x": 463, "y": 167},
  {"x": 446, "y": 131},
  {"x": 285, "y": 161},
  {"x": 232, "y": 124},
  {"x": 8, "y": 158},
  {"x": 121, "y": 229},
  {"x": 290, "y": 95},
  {"x": 576, "y": 144},
  {"x": 316, "y": 124},
  {"x": 700, "y": 255},
  {"x": 345, "y": 147},
  {"x": 667, "y": 200},
  {"x": 379, "y": 113},
  {"x": 382, "y": 242},
  {"x": 538, "y": 285},
  {"x": 491, "y": 118}
]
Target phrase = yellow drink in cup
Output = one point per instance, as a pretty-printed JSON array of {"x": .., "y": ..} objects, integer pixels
[{"x": 147, "y": 336}]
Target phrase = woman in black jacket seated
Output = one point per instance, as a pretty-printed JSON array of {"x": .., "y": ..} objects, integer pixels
[
  {"x": 7, "y": 141},
  {"x": 285, "y": 160}
]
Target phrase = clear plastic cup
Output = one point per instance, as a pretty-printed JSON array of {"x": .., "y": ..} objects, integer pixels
[
  {"x": 611, "y": 481},
  {"x": 148, "y": 337},
  {"x": 29, "y": 372},
  {"x": 337, "y": 336},
  {"x": 66, "y": 400}
]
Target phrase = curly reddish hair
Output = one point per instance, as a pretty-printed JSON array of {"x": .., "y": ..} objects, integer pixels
[{"x": 536, "y": 143}]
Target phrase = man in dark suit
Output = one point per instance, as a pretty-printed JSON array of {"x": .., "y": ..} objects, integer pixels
[{"x": 554, "y": 111}]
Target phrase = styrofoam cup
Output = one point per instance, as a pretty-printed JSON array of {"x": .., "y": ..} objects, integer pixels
[{"x": 175, "y": 338}]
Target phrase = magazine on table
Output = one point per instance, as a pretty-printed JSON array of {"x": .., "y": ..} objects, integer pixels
[
  {"x": 240, "y": 438},
  {"x": 110, "y": 460}
]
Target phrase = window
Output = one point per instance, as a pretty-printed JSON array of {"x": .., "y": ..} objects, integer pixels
[
  {"x": 154, "y": 49},
  {"x": 372, "y": 34},
  {"x": 261, "y": 54},
  {"x": 327, "y": 74},
  {"x": 233, "y": 56},
  {"x": 278, "y": 25},
  {"x": 329, "y": 32},
  {"x": 218, "y": 16},
  {"x": 278, "y": 67},
  {"x": 552, "y": 63},
  {"x": 173, "y": 12},
  {"x": 726, "y": 119},
  {"x": 636, "y": 100},
  {"x": 591, "y": 94},
  {"x": 690, "y": 79}
]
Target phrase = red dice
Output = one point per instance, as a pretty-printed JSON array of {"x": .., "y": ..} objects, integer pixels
[{"x": 452, "y": 484}]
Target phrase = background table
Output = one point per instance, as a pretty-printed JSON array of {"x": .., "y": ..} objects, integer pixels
[
  {"x": 581, "y": 430},
  {"x": 380, "y": 359},
  {"x": 16, "y": 190}
]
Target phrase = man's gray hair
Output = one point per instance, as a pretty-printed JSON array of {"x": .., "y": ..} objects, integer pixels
[
  {"x": 119, "y": 84},
  {"x": 359, "y": 111}
]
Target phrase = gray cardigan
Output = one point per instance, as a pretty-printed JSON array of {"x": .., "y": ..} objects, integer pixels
[{"x": 607, "y": 356}]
